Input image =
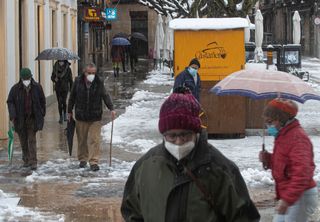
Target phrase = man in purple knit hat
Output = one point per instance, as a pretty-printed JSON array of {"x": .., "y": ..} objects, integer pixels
[{"x": 185, "y": 178}]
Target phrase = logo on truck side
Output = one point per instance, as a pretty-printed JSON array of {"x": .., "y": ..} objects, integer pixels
[{"x": 212, "y": 51}]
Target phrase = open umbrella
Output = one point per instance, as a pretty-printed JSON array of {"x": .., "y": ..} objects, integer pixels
[
  {"x": 120, "y": 41},
  {"x": 139, "y": 35},
  {"x": 265, "y": 84},
  {"x": 57, "y": 53},
  {"x": 10, "y": 143},
  {"x": 121, "y": 35},
  {"x": 296, "y": 28},
  {"x": 69, "y": 131}
]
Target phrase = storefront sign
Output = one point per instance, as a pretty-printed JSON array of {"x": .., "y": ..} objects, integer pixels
[
  {"x": 92, "y": 14},
  {"x": 111, "y": 13}
]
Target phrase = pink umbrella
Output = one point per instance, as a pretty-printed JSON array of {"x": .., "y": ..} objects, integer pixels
[{"x": 265, "y": 84}]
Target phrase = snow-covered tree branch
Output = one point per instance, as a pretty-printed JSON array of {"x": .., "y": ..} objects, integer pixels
[{"x": 201, "y": 8}]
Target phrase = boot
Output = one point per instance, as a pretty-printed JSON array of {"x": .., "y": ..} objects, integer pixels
[
  {"x": 117, "y": 72},
  {"x": 61, "y": 119},
  {"x": 65, "y": 117}
]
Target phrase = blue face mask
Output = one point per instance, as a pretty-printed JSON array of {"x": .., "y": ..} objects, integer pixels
[
  {"x": 192, "y": 71},
  {"x": 272, "y": 130}
]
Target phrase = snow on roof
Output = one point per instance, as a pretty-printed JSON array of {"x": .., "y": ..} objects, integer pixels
[{"x": 208, "y": 23}]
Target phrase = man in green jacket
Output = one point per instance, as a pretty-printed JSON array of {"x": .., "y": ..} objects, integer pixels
[{"x": 185, "y": 178}]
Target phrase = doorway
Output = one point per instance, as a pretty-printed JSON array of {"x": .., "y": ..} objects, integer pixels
[{"x": 139, "y": 23}]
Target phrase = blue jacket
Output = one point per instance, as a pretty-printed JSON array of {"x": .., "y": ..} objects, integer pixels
[{"x": 186, "y": 79}]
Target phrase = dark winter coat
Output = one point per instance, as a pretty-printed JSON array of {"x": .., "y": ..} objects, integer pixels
[
  {"x": 16, "y": 105},
  {"x": 159, "y": 190},
  {"x": 62, "y": 77},
  {"x": 186, "y": 79},
  {"x": 88, "y": 101},
  {"x": 292, "y": 163},
  {"x": 117, "y": 53}
]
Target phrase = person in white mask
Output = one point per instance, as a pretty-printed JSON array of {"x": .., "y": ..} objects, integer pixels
[
  {"x": 190, "y": 78},
  {"x": 86, "y": 97},
  {"x": 27, "y": 108},
  {"x": 185, "y": 178}
]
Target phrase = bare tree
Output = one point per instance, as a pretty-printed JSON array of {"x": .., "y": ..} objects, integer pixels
[{"x": 201, "y": 8}]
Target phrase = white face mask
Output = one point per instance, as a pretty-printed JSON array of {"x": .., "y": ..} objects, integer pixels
[
  {"x": 26, "y": 82},
  {"x": 179, "y": 151},
  {"x": 90, "y": 77}
]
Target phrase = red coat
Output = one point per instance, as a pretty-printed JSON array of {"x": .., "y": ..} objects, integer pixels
[{"x": 292, "y": 163}]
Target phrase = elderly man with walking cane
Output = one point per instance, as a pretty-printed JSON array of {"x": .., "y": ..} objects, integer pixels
[{"x": 86, "y": 96}]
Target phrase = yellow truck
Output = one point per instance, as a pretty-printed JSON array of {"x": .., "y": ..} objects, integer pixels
[{"x": 218, "y": 44}]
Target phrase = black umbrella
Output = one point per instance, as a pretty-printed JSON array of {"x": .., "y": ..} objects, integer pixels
[
  {"x": 121, "y": 35},
  {"x": 57, "y": 53},
  {"x": 139, "y": 35},
  {"x": 69, "y": 131}
]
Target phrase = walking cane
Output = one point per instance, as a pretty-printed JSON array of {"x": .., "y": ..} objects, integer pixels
[{"x": 111, "y": 142}]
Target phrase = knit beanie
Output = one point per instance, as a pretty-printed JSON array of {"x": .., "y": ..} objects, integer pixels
[
  {"x": 194, "y": 61},
  {"x": 282, "y": 110},
  {"x": 25, "y": 73},
  {"x": 180, "y": 111},
  {"x": 285, "y": 105}
]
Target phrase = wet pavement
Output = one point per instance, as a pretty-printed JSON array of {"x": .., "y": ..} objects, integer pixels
[
  {"x": 76, "y": 194},
  {"x": 59, "y": 187}
]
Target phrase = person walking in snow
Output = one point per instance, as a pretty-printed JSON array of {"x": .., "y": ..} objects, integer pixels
[
  {"x": 62, "y": 79},
  {"x": 27, "y": 108},
  {"x": 117, "y": 55},
  {"x": 190, "y": 78},
  {"x": 86, "y": 96},
  {"x": 185, "y": 178},
  {"x": 291, "y": 163}
]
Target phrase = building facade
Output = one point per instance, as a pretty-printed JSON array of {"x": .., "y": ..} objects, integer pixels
[
  {"x": 278, "y": 24},
  {"x": 26, "y": 28},
  {"x": 95, "y": 32}
]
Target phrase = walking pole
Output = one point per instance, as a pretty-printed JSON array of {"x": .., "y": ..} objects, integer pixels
[{"x": 111, "y": 142}]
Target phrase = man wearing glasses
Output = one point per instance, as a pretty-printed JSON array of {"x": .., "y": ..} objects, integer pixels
[
  {"x": 185, "y": 178},
  {"x": 86, "y": 96}
]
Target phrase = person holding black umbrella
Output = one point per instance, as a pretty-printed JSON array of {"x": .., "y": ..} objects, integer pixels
[
  {"x": 27, "y": 108},
  {"x": 86, "y": 96}
]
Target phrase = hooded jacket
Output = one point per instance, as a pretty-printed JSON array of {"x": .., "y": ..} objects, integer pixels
[
  {"x": 62, "y": 77},
  {"x": 158, "y": 189}
]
